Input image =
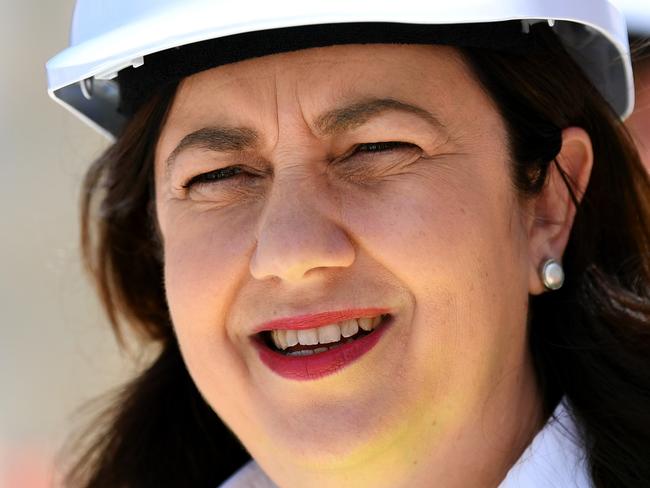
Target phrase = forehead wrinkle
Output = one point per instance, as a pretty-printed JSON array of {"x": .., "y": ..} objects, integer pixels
[{"x": 358, "y": 113}]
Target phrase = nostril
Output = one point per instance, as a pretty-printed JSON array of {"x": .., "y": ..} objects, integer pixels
[{"x": 288, "y": 249}]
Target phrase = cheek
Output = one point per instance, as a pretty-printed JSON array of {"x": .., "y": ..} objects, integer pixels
[
  {"x": 447, "y": 227},
  {"x": 200, "y": 263},
  {"x": 204, "y": 264},
  {"x": 454, "y": 239}
]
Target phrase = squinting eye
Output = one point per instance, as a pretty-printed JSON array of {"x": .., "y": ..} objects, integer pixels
[
  {"x": 214, "y": 176},
  {"x": 368, "y": 161},
  {"x": 371, "y": 147},
  {"x": 231, "y": 172}
]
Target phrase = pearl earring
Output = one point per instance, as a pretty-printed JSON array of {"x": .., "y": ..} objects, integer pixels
[{"x": 552, "y": 274}]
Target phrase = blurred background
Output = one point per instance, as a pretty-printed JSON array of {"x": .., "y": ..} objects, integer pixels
[{"x": 56, "y": 349}]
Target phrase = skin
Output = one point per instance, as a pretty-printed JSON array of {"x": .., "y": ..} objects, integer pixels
[
  {"x": 436, "y": 232},
  {"x": 639, "y": 121}
]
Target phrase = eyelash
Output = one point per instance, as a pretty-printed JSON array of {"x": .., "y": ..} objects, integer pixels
[
  {"x": 212, "y": 176},
  {"x": 226, "y": 173},
  {"x": 381, "y": 146}
]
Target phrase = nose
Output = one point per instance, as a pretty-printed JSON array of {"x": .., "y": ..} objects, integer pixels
[{"x": 296, "y": 234}]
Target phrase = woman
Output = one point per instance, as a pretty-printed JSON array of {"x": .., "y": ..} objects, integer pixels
[{"x": 383, "y": 254}]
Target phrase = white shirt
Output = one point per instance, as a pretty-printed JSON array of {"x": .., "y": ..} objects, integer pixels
[{"x": 553, "y": 460}]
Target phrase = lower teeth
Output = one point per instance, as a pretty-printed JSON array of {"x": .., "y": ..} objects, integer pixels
[{"x": 309, "y": 352}]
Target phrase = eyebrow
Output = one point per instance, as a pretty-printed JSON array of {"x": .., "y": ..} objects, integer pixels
[
  {"x": 215, "y": 139},
  {"x": 356, "y": 114},
  {"x": 336, "y": 121}
]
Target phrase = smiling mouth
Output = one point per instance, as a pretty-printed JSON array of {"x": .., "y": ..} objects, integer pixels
[{"x": 318, "y": 340}]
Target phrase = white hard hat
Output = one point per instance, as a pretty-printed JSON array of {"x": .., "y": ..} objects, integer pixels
[
  {"x": 109, "y": 36},
  {"x": 637, "y": 13}
]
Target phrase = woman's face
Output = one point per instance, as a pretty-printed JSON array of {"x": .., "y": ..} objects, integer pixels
[{"x": 321, "y": 218}]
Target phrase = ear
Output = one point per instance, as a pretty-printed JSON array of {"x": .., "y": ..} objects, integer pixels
[{"x": 553, "y": 210}]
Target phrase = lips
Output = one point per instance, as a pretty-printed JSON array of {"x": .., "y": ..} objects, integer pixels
[
  {"x": 320, "y": 361},
  {"x": 318, "y": 319}
]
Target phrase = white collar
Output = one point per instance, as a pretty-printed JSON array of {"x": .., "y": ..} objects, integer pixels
[{"x": 553, "y": 460}]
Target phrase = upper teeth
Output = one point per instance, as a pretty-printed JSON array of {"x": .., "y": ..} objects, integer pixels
[{"x": 325, "y": 334}]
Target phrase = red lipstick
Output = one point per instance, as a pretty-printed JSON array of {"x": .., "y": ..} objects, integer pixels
[
  {"x": 319, "y": 319},
  {"x": 320, "y": 364}
]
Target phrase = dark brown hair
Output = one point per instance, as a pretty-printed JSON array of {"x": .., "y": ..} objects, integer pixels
[{"x": 590, "y": 341}]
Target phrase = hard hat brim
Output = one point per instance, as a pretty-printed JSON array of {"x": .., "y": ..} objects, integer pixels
[{"x": 121, "y": 40}]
